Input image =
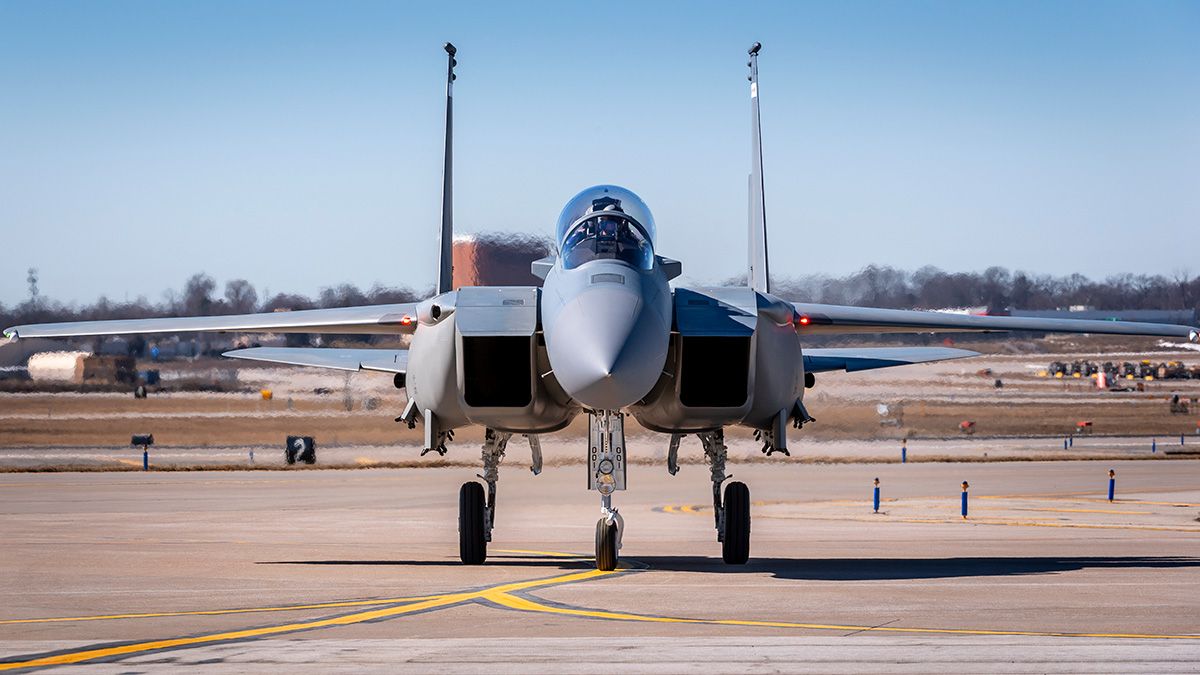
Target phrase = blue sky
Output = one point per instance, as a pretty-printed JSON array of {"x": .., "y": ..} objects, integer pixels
[{"x": 297, "y": 144}]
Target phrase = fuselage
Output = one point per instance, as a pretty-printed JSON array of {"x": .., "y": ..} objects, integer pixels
[
  {"x": 607, "y": 327},
  {"x": 606, "y": 332},
  {"x": 606, "y": 306}
]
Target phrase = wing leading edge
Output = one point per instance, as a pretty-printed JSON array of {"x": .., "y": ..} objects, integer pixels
[
  {"x": 369, "y": 320},
  {"x": 829, "y": 319},
  {"x": 379, "y": 360}
]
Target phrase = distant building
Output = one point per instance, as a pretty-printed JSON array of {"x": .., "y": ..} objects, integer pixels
[
  {"x": 497, "y": 260},
  {"x": 969, "y": 311},
  {"x": 58, "y": 366},
  {"x": 81, "y": 367}
]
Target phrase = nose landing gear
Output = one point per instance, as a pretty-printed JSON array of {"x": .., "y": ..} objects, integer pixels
[
  {"x": 606, "y": 475},
  {"x": 608, "y": 536}
]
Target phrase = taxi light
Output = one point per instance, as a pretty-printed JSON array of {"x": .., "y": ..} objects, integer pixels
[{"x": 606, "y": 484}]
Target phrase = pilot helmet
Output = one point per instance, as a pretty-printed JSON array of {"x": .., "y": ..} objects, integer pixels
[{"x": 607, "y": 205}]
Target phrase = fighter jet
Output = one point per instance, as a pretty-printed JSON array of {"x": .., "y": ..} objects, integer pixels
[{"x": 606, "y": 336}]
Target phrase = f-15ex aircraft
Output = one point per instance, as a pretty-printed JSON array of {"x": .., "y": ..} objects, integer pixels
[{"x": 606, "y": 336}]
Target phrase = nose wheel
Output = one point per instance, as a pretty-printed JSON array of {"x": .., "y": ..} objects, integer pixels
[{"x": 606, "y": 545}]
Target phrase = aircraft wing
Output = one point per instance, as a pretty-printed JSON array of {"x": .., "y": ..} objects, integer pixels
[
  {"x": 828, "y": 319},
  {"x": 381, "y": 360},
  {"x": 866, "y": 358},
  {"x": 373, "y": 319}
]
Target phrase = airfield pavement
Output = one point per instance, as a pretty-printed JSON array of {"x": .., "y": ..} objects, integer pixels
[{"x": 357, "y": 571}]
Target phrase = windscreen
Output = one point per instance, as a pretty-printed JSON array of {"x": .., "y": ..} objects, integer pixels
[{"x": 607, "y": 237}]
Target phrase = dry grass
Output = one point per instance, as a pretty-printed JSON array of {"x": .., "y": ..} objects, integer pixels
[{"x": 241, "y": 419}]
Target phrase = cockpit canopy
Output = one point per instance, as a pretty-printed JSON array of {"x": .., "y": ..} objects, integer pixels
[{"x": 606, "y": 222}]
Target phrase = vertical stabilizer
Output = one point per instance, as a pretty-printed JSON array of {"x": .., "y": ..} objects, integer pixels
[
  {"x": 445, "y": 281},
  {"x": 758, "y": 274}
]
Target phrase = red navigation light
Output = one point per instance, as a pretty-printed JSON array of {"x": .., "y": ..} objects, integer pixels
[
  {"x": 406, "y": 320},
  {"x": 804, "y": 320}
]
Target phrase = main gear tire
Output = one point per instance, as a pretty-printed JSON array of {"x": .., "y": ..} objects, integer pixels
[
  {"x": 472, "y": 542},
  {"x": 735, "y": 549}
]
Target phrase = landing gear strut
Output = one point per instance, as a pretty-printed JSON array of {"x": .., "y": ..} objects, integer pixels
[
  {"x": 732, "y": 514},
  {"x": 606, "y": 474},
  {"x": 476, "y": 517}
]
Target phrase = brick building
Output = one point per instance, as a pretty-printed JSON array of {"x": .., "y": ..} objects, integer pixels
[{"x": 497, "y": 259}]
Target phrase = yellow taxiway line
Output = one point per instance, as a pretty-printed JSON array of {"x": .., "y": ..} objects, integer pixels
[
  {"x": 510, "y": 595},
  {"x": 1120, "y": 500},
  {"x": 433, "y": 602},
  {"x": 1109, "y": 511},
  {"x": 697, "y": 510},
  {"x": 545, "y": 554},
  {"x": 218, "y": 612},
  {"x": 528, "y": 605},
  {"x": 974, "y": 520},
  {"x": 172, "y": 643}
]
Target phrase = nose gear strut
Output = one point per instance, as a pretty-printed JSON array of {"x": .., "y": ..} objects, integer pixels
[{"x": 606, "y": 474}]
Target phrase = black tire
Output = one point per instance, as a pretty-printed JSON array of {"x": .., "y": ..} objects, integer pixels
[
  {"x": 736, "y": 547},
  {"x": 606, "y": 545},
  {"x": 472, "y": 544}
]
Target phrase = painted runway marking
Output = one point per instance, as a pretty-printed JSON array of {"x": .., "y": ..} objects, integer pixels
[
  {"x": 925, "y": 503},
  {"x": 1109, "y": 511},
  {"x": 218, "y": 612},
  {"x": 974, "y": 520},
  {"x": 437, "y": 602},
  {"x": 546, "y": 554},
  {"x": 510, "y": 595},
  {"x": 528, "y": 604},
  {"x": 140, "y": 647}
]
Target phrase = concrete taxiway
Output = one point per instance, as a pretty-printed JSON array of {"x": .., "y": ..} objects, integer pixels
[
  {"x": 357, "y": 571},
  {"x": 647, "y": 450}
]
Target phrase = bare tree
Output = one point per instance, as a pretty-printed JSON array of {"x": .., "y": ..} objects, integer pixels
[
  {"x": 342, "y": 295},
  {"x": 287, "y": 302},
  {"x": 197, "y": 295},
  {"x": 875, "y": 285},
  {"x": 240, "y": 296}
]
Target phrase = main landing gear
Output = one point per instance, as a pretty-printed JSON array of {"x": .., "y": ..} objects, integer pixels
[
  {"x": 477, "y": 512},
  {"x": 606, "y": 475},
  {"x": 732, "y": 514}
]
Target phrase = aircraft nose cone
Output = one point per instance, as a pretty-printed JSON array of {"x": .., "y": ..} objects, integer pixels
[{"x": 607, "y": 348}]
